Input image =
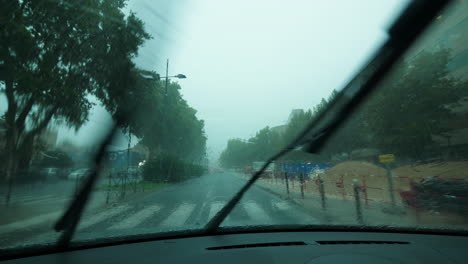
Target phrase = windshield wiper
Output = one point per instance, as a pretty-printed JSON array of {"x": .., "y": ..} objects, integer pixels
[
  {"x": 417, "y": 16},
  {"x": 69, "y": 220},
  {"x": 408, "y": 27}
]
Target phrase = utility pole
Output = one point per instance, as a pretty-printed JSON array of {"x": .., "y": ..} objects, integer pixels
[
  {"x": 167, "y": 75},
  {"x": 164, "y": 108}
]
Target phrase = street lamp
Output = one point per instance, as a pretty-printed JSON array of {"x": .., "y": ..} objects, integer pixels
[
  {"x": 149, "y": 76},
  {"x": 178, "y": 76},
  {"x": 158, "y": 78}
]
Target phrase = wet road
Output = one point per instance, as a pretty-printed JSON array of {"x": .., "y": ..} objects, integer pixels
[{"x": 182, "y": 206}]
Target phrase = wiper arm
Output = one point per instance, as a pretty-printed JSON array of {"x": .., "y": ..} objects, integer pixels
[
  {"x": 417, "y": 16},
  {"x": 69, "y": 220},
  {"x": 216, "y": 221}
]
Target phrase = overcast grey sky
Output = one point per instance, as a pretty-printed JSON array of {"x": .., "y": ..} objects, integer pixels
[{"x": 250, "y": 62}]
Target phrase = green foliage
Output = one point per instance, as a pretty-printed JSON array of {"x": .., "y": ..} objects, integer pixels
[
  {"x": 170, "y": 169},
  {"x": 413, "y": 104},
  {"x": 57, "y": 57},
  {"x": 299, "y": 122},
  {"x": 237, "y": 154},
  {"x": 266, "y": 143},
  {"x": 167, "y": 125}
]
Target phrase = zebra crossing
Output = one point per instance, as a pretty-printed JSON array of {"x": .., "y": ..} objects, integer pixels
[
  {"x": 178, "y": 216},
  {"x": 101, "y": 216},
  {"x": 137, "y": 218}
]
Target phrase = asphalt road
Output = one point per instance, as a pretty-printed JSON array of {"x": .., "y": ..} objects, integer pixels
[{"x": 181, "y": 206}]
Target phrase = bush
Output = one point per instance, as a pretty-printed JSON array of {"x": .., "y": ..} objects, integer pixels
[{"x": 170, "y": 169}]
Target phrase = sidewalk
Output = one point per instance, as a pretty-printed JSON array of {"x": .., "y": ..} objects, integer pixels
[{"x": 340, "y": 211}]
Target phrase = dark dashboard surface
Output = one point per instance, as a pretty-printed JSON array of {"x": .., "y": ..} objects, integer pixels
[{"x": 282, "y": 247}]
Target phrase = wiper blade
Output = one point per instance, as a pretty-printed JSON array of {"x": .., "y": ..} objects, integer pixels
[
  {"x": 69, "y": 220},
  {"x": 417, "y": 16},
  {"x": 216, "y": 221}
]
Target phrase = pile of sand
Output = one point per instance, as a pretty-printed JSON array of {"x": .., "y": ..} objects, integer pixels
[{"x": 356, "y": 168}]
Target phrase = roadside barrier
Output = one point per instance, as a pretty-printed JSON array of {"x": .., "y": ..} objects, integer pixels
[{"x": 357, "y": 201}]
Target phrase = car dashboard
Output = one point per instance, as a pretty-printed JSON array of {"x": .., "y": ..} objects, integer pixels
[{"x": 277, "y": 247}]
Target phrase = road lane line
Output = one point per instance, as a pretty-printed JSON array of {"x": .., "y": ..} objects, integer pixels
[
  {"x": 179, "y": 216},
  {"x": 214, "y": 208},
  {"x": 35, "y": 220},
  {"x": 137, "y": 218},
  {"x": 282, "y": 205},
  {"x": 257, "y": 214},
  {"x": 299, "y": 216},
  {"x": 102, "y": 216}
]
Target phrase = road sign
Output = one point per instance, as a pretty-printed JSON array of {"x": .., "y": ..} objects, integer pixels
[{"x": 386, "y": 158}]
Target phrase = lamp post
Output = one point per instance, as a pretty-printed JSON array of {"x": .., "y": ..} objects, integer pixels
[
  {"x": 179, "y": 76},
  {"x": 149, "y": 76},
  {"x": 167, "y": 77}
]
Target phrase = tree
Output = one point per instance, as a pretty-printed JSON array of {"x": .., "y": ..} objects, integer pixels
[
  {"x": 411, "y": 105},
  {"x": 236, "y": 154},
  {"x": 167, "y": 125},
  {"x": 57, "y": 56},
  {"x": 299, "y": 122}
]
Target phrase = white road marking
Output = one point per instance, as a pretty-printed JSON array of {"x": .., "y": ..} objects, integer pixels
[
  {"x": 92, "y": 220},
  {"x": 281, "y": 205},
  {"x": 137, "y": 218},
  {"x": 214, "y": 208},
  {"x": 179, "y": 216},
  {"x": 299, "y": 216},
  {"x": 257, "y": 214},
  {"x": 36, "y": 220}
]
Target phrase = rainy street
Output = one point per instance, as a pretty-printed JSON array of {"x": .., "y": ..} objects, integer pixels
[{"x": 186, "y": 205}]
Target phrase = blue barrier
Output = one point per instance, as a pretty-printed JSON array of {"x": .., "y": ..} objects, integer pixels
[{"x": 296, "y": 168}]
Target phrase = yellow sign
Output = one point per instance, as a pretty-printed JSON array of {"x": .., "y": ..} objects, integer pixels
[{"x": 386, "y": 158}]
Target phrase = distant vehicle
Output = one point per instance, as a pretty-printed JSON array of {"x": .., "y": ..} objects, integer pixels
[
  {"x": 215, "y": 170},
  {"x": 49, "y": 173},
  {"x": 63, "y": 173},
  {"x": 268, "y": 172},
  {"x": 79, "y": 174}
]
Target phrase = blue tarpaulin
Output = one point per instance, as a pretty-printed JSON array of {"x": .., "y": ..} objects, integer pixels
[{"x": 296, "y": 168}]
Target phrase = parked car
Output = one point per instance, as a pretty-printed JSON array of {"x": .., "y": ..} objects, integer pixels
[
  {"x": 79, "y": 174},
  {"x": 49, "y": 173}
]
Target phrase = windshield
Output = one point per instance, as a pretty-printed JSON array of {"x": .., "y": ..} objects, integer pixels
[{"x": 202, "y": 94}]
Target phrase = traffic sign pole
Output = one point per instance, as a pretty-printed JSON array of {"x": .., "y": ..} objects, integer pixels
[
  {"x": 386, "y": 159},
  {"x": 390, "y": 184}
]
